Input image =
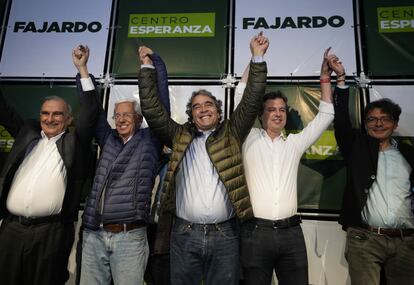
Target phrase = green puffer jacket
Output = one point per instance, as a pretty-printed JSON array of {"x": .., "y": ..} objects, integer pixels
[{"x": 223, "y": 145}]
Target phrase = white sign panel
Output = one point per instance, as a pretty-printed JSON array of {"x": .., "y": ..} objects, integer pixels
[
  {"x": 179, "y": 96},
  {"x": 402, "y": 95},
  {"x": 41, "y": 34},
  {"x": 299, "y": 31}
]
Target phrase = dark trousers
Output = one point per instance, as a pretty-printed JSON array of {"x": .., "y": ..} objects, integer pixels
[
  {"x": 204, "y": 253},
  {"x": 35, "y": 254},
  {"x": 264, "y": 249},
  {"x": 158, "y": 270},
  {"x": 158, "y": 266},
  {"x": 366, "y": 252}
]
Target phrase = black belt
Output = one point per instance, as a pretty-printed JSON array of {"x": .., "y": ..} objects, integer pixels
[
  {"x": 34, "y": 221},
  {"x": 206, "y": 227},
  {"x": 390, "y": 232},
  {"x": 277, "y": 224}
]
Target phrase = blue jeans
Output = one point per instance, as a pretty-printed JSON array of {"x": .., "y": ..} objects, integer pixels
[
  {"x": 366, "y": 252},
  {"x": 123, "y": 254},
  {"x": 204, "y": 252},
  {"x": 265, "y": 249}
]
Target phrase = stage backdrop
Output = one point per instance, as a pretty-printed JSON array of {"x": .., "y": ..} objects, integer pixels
[
  {"x": 299, "y": 32},
  {"x": 41, "y": 34},
  {"x": 389, "y": 31},
  {"x": 2, "y": 7},
  {"x": 402, "y": 95},
  {"x": 179, "y": 96},
  {"x": 191, "y": 36}
]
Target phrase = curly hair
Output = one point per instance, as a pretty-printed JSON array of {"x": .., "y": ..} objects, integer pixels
[{"x": 189, "y": 106}]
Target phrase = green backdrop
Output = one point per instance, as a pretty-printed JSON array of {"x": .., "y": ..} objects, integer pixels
[
  {"x": 187, "y": 56},
  {"x": 390, "y": 51}
]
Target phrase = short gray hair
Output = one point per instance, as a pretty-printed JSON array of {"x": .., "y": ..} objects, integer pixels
[
  {"x": 57, "y": 98},
  {"x": 135, "y": 103}
]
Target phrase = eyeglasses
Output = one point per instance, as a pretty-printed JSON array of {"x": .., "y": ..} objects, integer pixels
[
  {"x": 372, "y": 121},
  {"x": 118, "y": 116}
]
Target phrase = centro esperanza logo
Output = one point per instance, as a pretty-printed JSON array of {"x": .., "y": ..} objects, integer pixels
[{"x": 171, "y": 25}]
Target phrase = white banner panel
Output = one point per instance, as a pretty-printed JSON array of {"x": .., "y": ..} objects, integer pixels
[
  {"x": 299, "y": 32},
  {"x": 179, "y": 96},
  {"x": 403, "y": 96},
  {"x": 41, "y": 34}
]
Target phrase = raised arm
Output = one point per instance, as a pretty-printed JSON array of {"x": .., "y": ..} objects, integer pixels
[
  {"x": 80, "y": 57},
  {"x": 246, "y": 112},
  {"x": 344, "y": 133},
  {"x": 241, "y": 85},
  {"x": 336, "y": 65},
  {"x": 162, "y": 81},
  {"x": 325, "y": 77},
  {"x": 90, "y": 107},
  {"x": 153, "y": 109},
  {"x": 9, "y": 117},
  {"x": 325, "y": 116}
]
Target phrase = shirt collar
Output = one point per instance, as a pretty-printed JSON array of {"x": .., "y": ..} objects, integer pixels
[
  {"x": 201, "y": 133},
  {"x": 127, "y": 140},
  {"x": 281, "y": 136},
  {"x": 52, "y": 139},
  {"x": 393, "y": 143}
]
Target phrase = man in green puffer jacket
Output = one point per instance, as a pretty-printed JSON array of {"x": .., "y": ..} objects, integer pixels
[{"x": 205, "y": 187}]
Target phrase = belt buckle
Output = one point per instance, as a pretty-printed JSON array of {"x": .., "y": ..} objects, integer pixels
[
  {"x": 379, "y": 231},
  {"x": 24, "y": 221}
]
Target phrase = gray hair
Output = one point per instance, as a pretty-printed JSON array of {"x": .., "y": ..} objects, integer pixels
[
  {"x": 135, "y": 103},
  {"x": 57, "y": 98},
  {"x": 205, "y": 92}
]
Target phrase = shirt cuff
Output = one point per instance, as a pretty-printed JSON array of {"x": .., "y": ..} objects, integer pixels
[
  {"x": 147, "y": 65},
  {"x": 342, "y": 86},
  {"x": 87, "y": 84},
  {"x": 240, "y": 88},
  {"x": 325, "y": 107},
  {"x": 257, "y": 59}
]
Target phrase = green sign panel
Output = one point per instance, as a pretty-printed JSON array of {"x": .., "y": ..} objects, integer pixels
[
  {"x": 190, "y": 36},
  {"x": 324, "y": 148},
  {"x": 389, "y": 37},
  {"x": 395, "y": 19},
  {"x": 6, "y": 140},
  {"x": 182, "y": 25}
]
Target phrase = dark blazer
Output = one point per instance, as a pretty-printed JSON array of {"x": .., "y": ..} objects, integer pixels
[
  {"x": 360, "y": 152},
  {"x": 73, "y": 147}
]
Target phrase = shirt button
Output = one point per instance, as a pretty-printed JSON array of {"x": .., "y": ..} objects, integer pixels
[
  {"x": 366, "y": 191},
  {"x": 372, "y": 176}
]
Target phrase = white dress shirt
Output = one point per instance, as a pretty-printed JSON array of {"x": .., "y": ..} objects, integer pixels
[
  {"x": 389, "y": 201},
  {"x": 201, "y": 196},
  {"x": 271, "y": 167},
  {"x": 39, "y": 184}
]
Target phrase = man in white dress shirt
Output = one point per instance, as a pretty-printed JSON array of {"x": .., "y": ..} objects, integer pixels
[
  {"x": 40, "y": 189},
  {"x": 273, "y": 239}
]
